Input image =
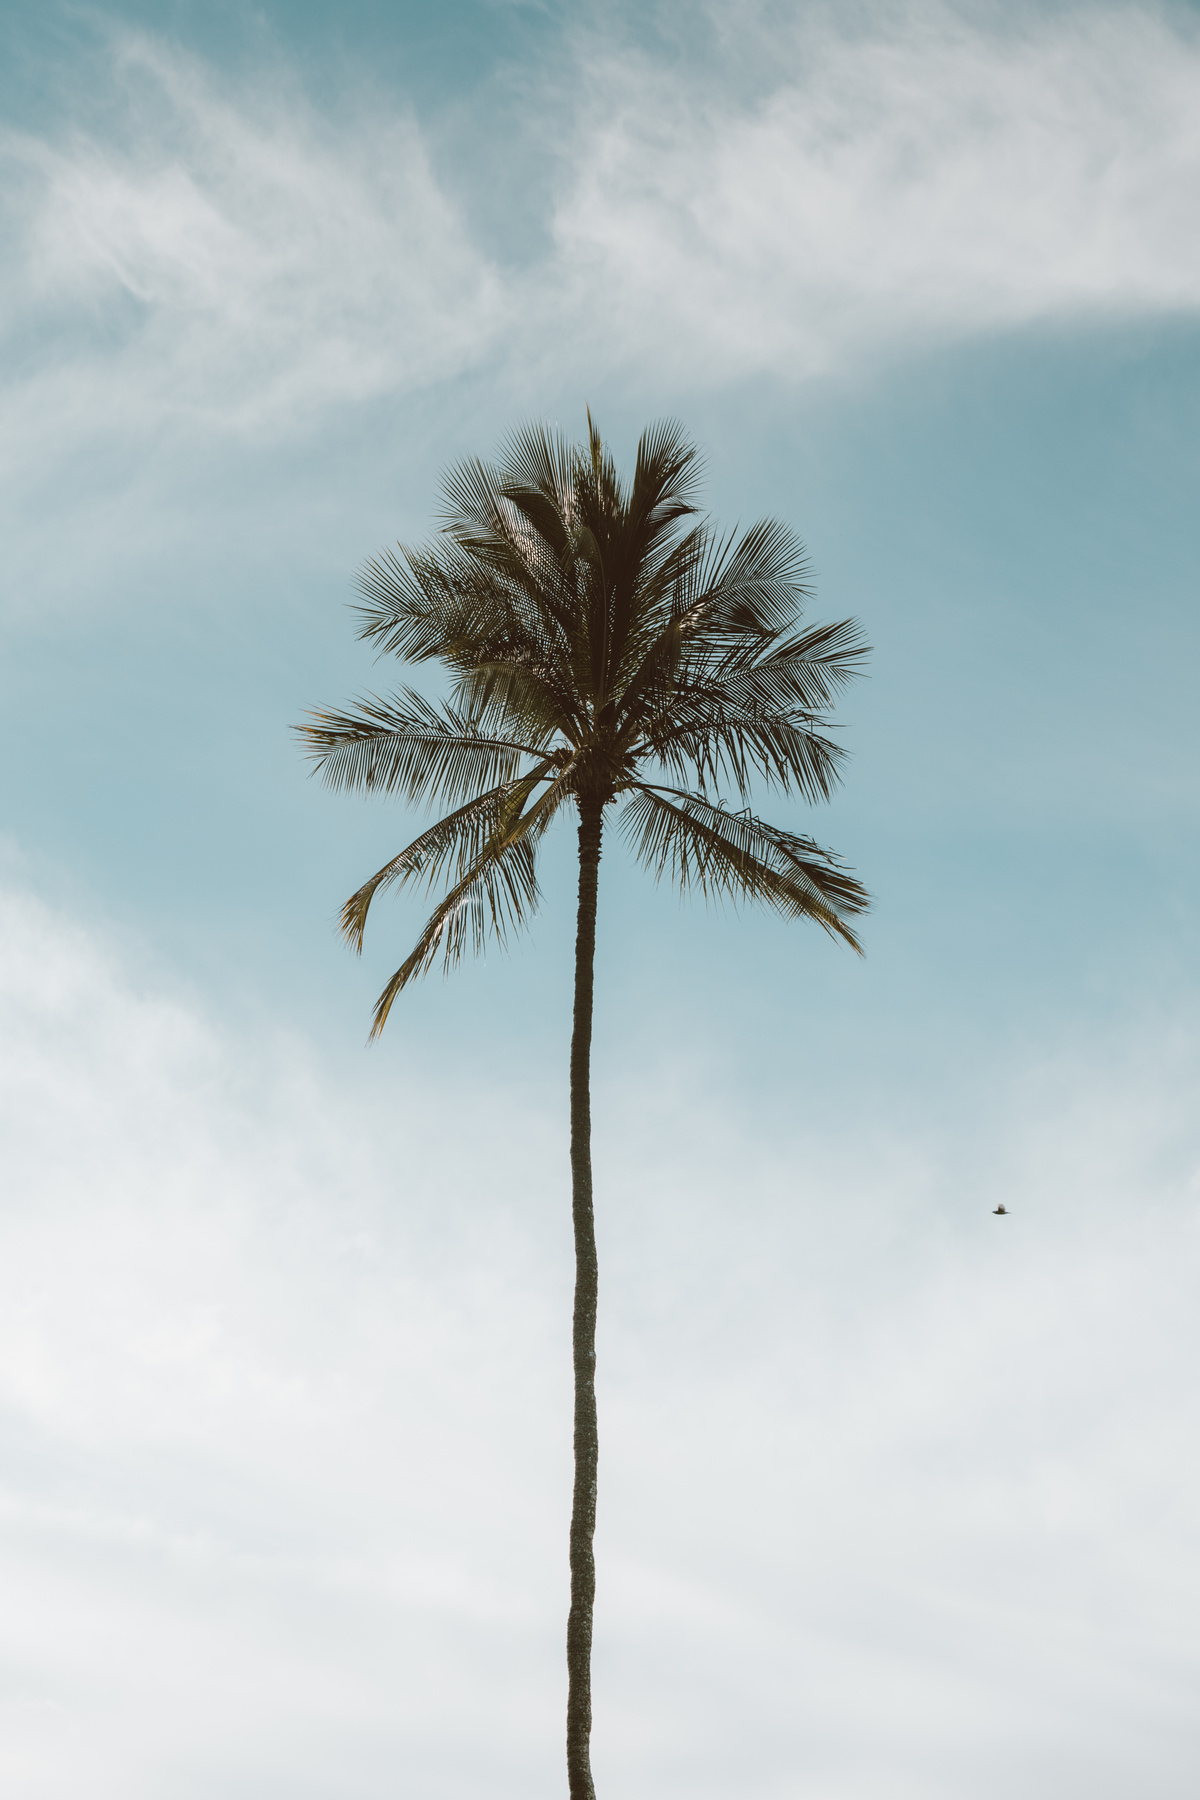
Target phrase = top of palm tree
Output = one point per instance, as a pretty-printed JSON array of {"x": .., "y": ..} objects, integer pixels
[{"x": 605, "y": 644}]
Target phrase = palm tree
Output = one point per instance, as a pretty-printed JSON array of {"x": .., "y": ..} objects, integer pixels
[{"x": 605, "y": 645}]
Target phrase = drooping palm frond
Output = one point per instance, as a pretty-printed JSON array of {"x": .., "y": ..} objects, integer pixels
[
  {"x": 740, "y": 857},
  {"x": 498, "y": 891},
  {"x": 458, "y": 841}
]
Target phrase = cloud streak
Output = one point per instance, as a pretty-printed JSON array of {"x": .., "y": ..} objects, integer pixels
[
  {"x": 922, "y": 176},
  {"x": 233, "y": 258}
]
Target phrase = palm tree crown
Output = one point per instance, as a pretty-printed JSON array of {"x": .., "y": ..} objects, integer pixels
[{"x": 604, "y": 644}]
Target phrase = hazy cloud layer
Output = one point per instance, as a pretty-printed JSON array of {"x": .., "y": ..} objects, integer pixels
[
  {"x": 899, "y": 1498},
  {"x": 228, "y": 255},
  {"x": 921, "y": 176}
]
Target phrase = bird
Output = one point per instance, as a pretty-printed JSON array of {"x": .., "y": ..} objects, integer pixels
[{"x": 1000, "y": 1209}]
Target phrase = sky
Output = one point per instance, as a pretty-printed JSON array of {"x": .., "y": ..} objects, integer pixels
[{"x": 898, "y": 1499}]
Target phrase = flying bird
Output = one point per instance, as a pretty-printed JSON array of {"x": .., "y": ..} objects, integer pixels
[{"x": 1000, "y": 1209}]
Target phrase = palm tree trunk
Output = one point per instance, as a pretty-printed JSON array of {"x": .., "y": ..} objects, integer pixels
[{"x": 587, "y": 1440}]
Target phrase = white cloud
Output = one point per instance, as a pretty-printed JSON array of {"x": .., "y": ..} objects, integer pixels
[
  {"x": 237, "y": 1454},
  {"x": 230, "y": 258},
  {"x": 914, "y": 173},
  {"x": 898, "y": 1498}
]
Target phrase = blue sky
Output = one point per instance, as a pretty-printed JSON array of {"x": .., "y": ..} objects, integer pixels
[{"x": 284, "y": 1377}]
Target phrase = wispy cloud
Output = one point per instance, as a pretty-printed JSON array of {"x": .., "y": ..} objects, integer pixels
[
  {"x": 915, "y": 173},
  {"x": 232, "y": 257},
  {"x": 897, "y": 1496}
]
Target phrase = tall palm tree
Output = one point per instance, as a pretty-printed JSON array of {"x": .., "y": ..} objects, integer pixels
[{"x": 605, "y": 646}]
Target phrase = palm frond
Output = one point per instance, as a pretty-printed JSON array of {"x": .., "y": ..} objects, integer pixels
[
  {"x": 718, "y": 742},
  {"x": 804, "y": 673},
  {"x": 444, "y": 602},
  {"x": 668, "y": 472},
  {"x": 498, "y": 892},
  {"x": 447, "y": 605},
  {"x": 516, "y": 534},
  {"x": 460, "y": 839},
  {"x": 673, "y": 611},
  {"x": 760, "y": 713},
  {"x": 738, "y": 856},
  {"x": 536, "y": 459},
  {"x": 759, "y": 588},
  {"x": 408, "y": 746},
  {"x": 409, "y": 609},
  {"x": 506, "y": 697}
]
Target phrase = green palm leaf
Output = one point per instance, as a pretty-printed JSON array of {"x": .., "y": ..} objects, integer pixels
[
  {"x": 737, "y": 856},
  {"x": 458, "y": 841},
  {"x": 408, "y": 746}
]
